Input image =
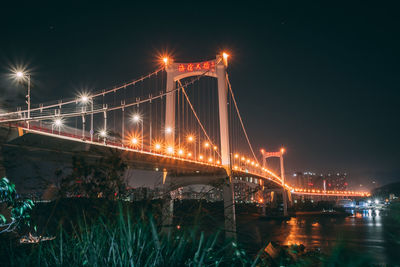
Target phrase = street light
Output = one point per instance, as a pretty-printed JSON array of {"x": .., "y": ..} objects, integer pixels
[
  {"x": 57, "y": 123},
  {"x": 22, "y": 75},
  {"x": 136, "y": 118}
]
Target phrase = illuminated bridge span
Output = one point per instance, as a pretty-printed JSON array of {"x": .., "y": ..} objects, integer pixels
[{"x": 173, "y": 120}]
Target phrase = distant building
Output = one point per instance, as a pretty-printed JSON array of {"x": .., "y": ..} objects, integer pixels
[
  {"x": 200, "y": 192},
  {"x": 312, "y": 180},
  {"x": 308, "y": 180},
  {"x": 336, "y": 181}
]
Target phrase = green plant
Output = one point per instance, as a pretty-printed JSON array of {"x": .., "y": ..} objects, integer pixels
[
  {"x": 19, "y": 209},
  {"x": 127, "y": 242},
  {"x": 103, "y": 178}
]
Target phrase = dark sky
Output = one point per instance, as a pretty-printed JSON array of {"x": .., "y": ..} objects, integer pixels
[{"x": 322, "y": 79}]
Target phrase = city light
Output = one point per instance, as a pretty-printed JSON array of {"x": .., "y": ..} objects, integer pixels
[
  {"x": 210, "y": 159},
  {"x": 215, "y": 147},
  {"x": 236, "y": 156},
  {"x": 206, "y": 144},
  {"x": 282, "y": 150},
  {"x": 19, "y": 74},
  {"x": 189, "y": 155},
  {"x": 225, "y": 55},
  {"x": 190, "y": 138},
  {"x": 165, "y": 59},
  {"x": 180, "y": 152},
  {"x": 201, "y": 157}
]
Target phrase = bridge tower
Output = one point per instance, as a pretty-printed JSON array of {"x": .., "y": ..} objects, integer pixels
[
  {"x": 279, "y": 155},
  {"x": 213, "y": 68}
]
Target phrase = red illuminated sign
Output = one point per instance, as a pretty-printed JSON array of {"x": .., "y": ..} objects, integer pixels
[{"x": 200, "y": 66}]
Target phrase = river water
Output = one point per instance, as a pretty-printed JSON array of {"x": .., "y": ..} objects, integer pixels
[{"x": 367, "y": 234}]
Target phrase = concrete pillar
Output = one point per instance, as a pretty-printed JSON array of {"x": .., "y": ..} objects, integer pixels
[
  {"x": 167, "y": 205},
  {"x": 285, "y": 204},
  {"x": 273, "y": 199},
  {"x": 167, "y": 213},
  {"x": 223, "y": 111},
  {"x": 170, "y": 107},
  {"x": 229, "y": 209}
]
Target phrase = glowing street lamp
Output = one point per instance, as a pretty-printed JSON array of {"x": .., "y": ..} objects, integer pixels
[
  {"x": 190, "y": 138},
  {"x": 136, "y": 118},
  {"x": 165, "y": 59},
  {"x": 57, "y": 123},
  {"x": 103, "y": 133},
  {"x": 157, "y": 146},
  {"x": 170, "y": 150},
  {"x": 134, "y": 141},
  {"x": 206, "y": 144}
]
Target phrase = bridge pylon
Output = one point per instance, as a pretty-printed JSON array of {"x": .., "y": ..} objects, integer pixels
[
  {"x": 279, "y": 155},
  {"x": 214, "y": 68}
]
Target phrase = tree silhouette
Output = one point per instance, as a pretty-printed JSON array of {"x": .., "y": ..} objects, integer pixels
[{"x": 101, "y": 179}]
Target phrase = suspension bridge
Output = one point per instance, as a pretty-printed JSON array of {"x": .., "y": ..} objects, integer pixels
[{"x": 181, "y": 119}]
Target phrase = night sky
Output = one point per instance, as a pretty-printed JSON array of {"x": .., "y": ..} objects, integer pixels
[{"x": 320, "y": 79}]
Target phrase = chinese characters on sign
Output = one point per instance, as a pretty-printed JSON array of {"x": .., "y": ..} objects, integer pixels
[{"x": 201, "y": 66}]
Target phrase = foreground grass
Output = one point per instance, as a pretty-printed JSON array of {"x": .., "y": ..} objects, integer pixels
[{"x": 125, "y": 243}]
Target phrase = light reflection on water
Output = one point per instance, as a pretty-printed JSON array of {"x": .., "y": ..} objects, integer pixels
[{"x": 364, "y": 232}]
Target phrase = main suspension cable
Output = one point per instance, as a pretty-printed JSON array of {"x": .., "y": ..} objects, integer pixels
[{"x": 240, "y": 119}]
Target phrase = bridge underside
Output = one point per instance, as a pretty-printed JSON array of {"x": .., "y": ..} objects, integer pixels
[{"x": 31, "y": 150}]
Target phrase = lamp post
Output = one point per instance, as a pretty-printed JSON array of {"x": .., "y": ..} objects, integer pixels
[
  {"x": 22, "y": 75},
  {"x": 138, "y": 119}
]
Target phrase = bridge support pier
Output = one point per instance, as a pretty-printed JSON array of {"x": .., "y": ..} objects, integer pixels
[
  {"x": 263, "y": 210},
  {"x": 229, "y": 209},
  {"x": 285, "y": 204},
  {"x": 167, "y": 213}
]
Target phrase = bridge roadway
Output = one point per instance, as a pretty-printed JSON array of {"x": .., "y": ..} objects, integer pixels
[{"x": 184, "y": 171}]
